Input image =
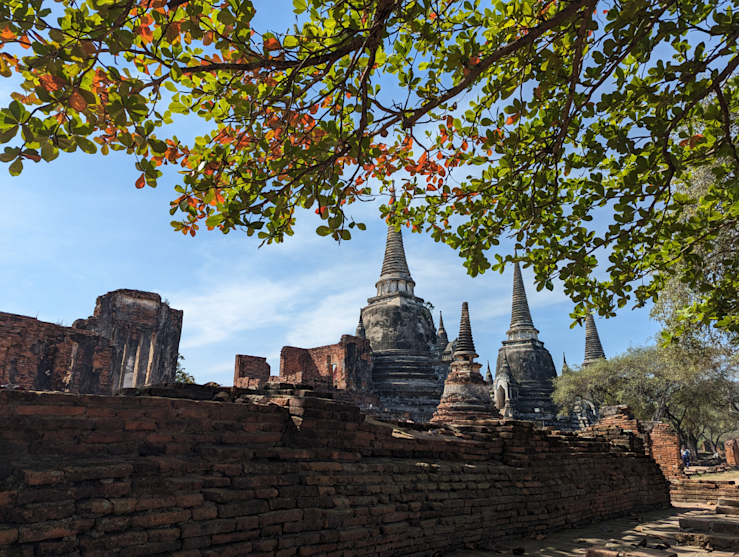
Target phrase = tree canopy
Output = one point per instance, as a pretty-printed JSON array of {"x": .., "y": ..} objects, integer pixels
[
  {"x": 564, "y": 124},
  {"x": 689, "y": 389}
]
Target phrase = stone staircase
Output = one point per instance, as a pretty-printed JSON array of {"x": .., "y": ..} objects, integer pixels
[
  {"x": 720, "y": 533},
  {"x": 727, "y": 506}
]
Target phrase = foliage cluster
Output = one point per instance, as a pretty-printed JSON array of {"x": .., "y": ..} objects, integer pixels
[{"x": 510, "y": 118}]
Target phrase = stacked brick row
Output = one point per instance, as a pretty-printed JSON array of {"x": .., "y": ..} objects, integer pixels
[
  {"x": 292, "y": 475},
  {"x": 703, "y": 491}
]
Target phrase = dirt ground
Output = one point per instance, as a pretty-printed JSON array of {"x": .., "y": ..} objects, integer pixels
[{"x": 658, "y": 526}]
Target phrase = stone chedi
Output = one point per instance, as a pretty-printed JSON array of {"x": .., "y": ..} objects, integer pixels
[
  {"x": 593, "y": 347},
  {"x": 524, "y": 370},
  {"x": 466, "y": 396},
  {"x": 403, "y": 339}
]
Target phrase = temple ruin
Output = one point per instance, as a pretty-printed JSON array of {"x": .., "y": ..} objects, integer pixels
[
  {"x": 389, "y": 442},
  {"x": 131, "y": 340}
]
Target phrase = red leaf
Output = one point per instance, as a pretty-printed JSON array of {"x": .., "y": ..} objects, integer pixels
[
  {"x": 77, "y": 101},
  {"x": 513, "y": 119},
  {"x": 141, "y": 182}
]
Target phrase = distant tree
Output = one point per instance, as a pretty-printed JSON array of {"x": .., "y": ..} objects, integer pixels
[
  {"x": 181, "y": 376},
  {"x": 664, "y": 383},
  {"x": 521, "y": 119}
]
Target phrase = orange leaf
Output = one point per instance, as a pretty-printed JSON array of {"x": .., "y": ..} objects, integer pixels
[
  {"x": 464, "y": 145},
  {"x": 272, "y": 44},
  {"x": 141, "y": 182},
  {"x": 513, "y": 119},
  {"x": 7, "y": 34},
  {"x": 51, "y": 82},
  {"x": 77, "y": 101},
  {"x": 432, "y": 15},
  {"x": 25, "y": 43}
]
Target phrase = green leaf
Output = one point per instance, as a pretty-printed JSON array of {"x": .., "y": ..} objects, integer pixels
[
  {"x": 300, "y": 6},
  {"x": 49, "y": 152},
  {"x": 323, "y": 231},
  {"x": 86, "y": 145},
  {"x": 8, "y": 134},
  {"x": 16, "y": 168}
]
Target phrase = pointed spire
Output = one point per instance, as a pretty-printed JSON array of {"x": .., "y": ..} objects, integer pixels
[
  {"x": 465, "y": 344},
  {"x": 360, "y": 328},
  {"x": 565, "y": 367},
  {"x": 394, "y": 262},
  {"x": 489, "y": 375},
  {"x": 520, "y": 316},
  {"x": 441, "y": 337},
  {"x": 593, "y": 347}
]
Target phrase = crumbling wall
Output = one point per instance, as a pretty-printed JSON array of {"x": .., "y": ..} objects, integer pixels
[
  {"x": 250, "y": 371},
  {"x": 44, "y": 356},
  {"x": 665, "y": 449},
  {"x": 155, "y": 475},
  {"x": 146, "y": 334},
  {"x": 660, "y": 442},
  {"x": 346, "y": 366},
  {"x": 732, "y": 452}
]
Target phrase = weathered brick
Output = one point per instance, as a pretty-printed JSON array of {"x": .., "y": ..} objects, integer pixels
[
  {"x": 97, "y": 472},
  {"x": 207, "y": 512},
  {"x": 112, "y": 523},
  {"x": 157, "y": 518},
  {"x": 243, "y": 508},
  {"x": 53, "y": 529},
  {"x": 278, "y": 517},
  {"x": 8, "y": 536},
  {"x": 42, "y": 477},
  {"x": 193, "y": 529},
  {"x": 95, "y": 506}
]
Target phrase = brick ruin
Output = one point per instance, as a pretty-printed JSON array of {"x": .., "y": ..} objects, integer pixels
[
  {"x": 206, "y": 471},
  {"x": 44, "y": 356},
  {"x": 132, "y": 339}
]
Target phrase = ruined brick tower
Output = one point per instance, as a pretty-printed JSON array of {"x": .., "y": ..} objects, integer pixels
[
  {"x": 401, "y": 333},
  {"x": 145, "y": 332},
  {"x": 524, "y": 370}
]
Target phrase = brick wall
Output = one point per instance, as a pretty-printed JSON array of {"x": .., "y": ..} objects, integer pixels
[
  {"x": 250, "y": 371},
  {"x": 45, "y": 356},
  {"x": 293, "y": 474},
  {"x": 346, "y": 365}
]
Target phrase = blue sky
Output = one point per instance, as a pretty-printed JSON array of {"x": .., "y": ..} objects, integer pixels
[{"x": 77, "y": 228}]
